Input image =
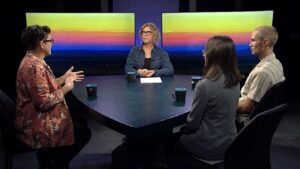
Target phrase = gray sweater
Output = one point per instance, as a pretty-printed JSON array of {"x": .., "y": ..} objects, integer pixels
[{"x": 210, "y": 126}]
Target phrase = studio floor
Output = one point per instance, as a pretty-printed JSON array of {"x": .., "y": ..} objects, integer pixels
[{"x": 285, "y": 150}]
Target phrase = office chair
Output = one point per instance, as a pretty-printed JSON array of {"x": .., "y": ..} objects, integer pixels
[
  {"x": 251, "y": 148},
  {"x": 11, "y": 144},
  {"x": 275, "y": 96}
]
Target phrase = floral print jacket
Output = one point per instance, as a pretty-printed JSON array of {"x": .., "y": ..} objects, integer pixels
[{"x": 42, "y": 116}]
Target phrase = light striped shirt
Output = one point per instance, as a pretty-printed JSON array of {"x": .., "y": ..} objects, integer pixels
[{"x": 265, "y": 74}]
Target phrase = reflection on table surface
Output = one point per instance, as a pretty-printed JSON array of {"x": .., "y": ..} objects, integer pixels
[{"x": 133, "y": 108}]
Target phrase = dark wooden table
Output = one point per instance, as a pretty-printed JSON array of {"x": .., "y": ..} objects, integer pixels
[{"x": 135, "y": 109}]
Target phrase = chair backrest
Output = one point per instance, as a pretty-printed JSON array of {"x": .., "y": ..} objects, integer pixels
[
  {"x": 7, "y": 110},
  {"x": 7, "y": 116},
  {"x": 275, "y": 96},
  {"x": 251, "y": 148}
]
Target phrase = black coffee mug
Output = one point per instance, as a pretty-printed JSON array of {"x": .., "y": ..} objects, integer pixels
[
  {"x": 131, "y": 76},
  {"x": 195, "y": 80},
  {"x": 179, "y": 94},
  {"x": 91, "y": 90}
]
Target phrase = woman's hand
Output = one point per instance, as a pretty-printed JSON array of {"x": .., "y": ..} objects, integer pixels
[
  {"x": 77, "y": 76},
  {"x": 69, "y": 84},
  {"x": 150, "y": 73},
  {"x": 146, "y": 72},
  {"x": 142, "y": 72}
]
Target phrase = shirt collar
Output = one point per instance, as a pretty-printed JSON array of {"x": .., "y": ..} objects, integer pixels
[
  {"x": 266, "y": 59},
  {"x": 35, "y": 58}
]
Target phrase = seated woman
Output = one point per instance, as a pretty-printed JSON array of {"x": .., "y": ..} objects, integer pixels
[
  {"x": 43, "y": 120},
  {"x": 149, "y": 60},
  {"x": 210, "y": 125}
]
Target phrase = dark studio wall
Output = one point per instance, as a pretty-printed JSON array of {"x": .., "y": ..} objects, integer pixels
[{"x": 13, "y": 22}]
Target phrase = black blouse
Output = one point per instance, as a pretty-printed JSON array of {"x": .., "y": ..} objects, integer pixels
[{"x": 147, "y": 63}]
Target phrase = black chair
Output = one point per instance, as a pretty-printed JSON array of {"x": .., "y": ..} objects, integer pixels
[
  {"x": 275, "y": 96},
  {"x": 251, "y": 148},
  {"x": 11, "y": 144}
]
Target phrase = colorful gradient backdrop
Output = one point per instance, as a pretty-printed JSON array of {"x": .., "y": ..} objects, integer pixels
[
  {"x": 185, "y": 34},
  {"x": 87, "y": 34}
]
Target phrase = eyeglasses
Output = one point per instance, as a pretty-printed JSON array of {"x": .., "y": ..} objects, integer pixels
[
  {"x": 147, "y": 33},
  {"x": 49, "y": 40}
]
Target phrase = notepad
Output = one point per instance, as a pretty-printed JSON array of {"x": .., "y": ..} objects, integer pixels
[{"x": 151, "y": 80}]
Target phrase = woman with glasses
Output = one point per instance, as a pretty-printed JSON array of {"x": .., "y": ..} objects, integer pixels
[
  {"x": 43, "y": 120},
  {"x": 149, "y": 60}
]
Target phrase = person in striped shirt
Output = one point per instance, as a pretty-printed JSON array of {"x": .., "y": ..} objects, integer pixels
[{"x": 264, "y": 75}]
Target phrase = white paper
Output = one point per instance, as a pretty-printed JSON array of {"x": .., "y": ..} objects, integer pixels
[{"x": 151, "y": 80}]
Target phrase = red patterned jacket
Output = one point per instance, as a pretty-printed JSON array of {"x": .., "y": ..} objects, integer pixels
[{"x": 42, "y": 117}]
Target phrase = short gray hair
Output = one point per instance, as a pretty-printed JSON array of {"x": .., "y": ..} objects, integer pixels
[{"x": 268, "y": 32}]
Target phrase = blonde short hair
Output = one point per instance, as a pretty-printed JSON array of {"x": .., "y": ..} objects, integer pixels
[
  {"x": 154, "y": 29},
  {"x": 268, "y": 32}
]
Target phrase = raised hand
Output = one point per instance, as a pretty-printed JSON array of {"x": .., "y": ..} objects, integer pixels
[
  {"x": 77, "y": 76},
  {"x": 69, "y": 83}
]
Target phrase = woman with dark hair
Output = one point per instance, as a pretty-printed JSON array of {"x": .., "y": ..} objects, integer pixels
[
  {"x": 149, "y": 60},
  {"x": 43, "y": 120},
  {"x": 210, "y": 125}
]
